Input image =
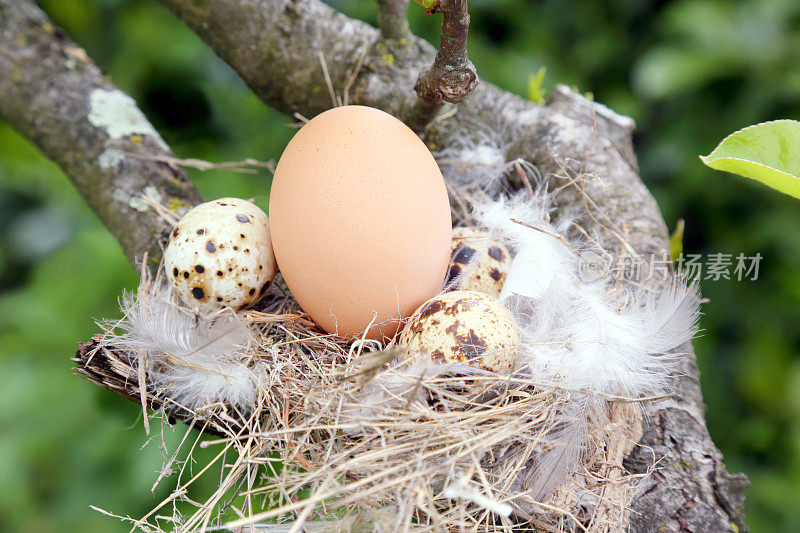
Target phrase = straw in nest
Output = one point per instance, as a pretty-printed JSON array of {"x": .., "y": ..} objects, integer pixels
[{"x": 317, "y": 434}]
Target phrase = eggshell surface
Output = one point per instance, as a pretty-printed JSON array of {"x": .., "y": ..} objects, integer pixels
[
  {"x": 464, "y": 327},
  {"x": 220, "y": 255},
  {"x": 360, "y": 221},
  {"x": 477, "y": 263}
]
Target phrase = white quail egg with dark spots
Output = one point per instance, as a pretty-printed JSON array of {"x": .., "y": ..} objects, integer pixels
[
  {"x": 468, "y": 327},
  {"x": 220, "y": 255},
  {"x": 477, "y": 263}
]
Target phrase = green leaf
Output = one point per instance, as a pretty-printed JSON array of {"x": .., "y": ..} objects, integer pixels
[
  {"x": 536, "y": 92},
  {"x": 676, "y": 241},
  {"x": 767, "y": 152}
]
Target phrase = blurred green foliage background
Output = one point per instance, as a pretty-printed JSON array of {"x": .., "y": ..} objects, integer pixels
[{"x": 689, "y": 72}]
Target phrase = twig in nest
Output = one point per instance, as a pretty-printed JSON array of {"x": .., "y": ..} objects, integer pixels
[
  {"x": 523, "y": 176},
  {"x": 142, "y": 361},
  {"x": 242, "y": 166},
  {"x": 550, "y": 233},
  {"x": 452, "y": 77},
  {"x": 352, "y": 79},
  {"x": 258, "y": 317},
  {"x": 301, "y": 120},
  {"x": 335, "y": 100}
]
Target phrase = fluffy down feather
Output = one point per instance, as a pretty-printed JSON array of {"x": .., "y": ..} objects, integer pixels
[
  {"x": 196, "y": 360},
  {"x": 589, "y": 339},
  {"x": 584, "y": 335}
]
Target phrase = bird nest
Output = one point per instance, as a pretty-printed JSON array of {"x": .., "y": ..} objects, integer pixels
[{"x": 338, "y": 436}]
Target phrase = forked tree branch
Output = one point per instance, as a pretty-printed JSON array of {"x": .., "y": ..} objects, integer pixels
[
  {"x": 53, "y": 93},
  {"x": 452, "y": 77}
]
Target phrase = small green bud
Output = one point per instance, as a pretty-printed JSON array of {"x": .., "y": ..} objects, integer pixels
[{"x": 427, "y": 4}]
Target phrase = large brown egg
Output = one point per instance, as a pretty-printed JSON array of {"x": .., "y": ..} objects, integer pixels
[{"x": 360, "y": 221}]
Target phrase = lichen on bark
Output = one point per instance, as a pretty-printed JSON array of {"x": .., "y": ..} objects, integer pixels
[{"x": 57, "y": 97}]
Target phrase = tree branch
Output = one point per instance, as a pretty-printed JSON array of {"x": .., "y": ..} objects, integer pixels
[
  {"x": 57, "y": 97},
  {"x": 392, "y": 19},
  {"x": 452, "y": 77},
  {"x": 274, "y": 46}
]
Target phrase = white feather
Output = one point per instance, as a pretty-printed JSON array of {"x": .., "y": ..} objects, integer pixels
[
  {"x": 195, "y": 360},
  {"x": 587, "y": 338}
]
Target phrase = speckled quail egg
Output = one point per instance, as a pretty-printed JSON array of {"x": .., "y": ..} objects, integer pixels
[
  {"x": 487, "y": 273},
  {"x": 220, "y": 255},
  {"x": 464, "y": 327}
]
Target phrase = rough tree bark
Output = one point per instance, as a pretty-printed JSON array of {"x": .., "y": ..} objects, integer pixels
[
  {"x": 53, "y": 93},
  {"x": 452, "y": 76},
  {"x": 274, "y": 46}
]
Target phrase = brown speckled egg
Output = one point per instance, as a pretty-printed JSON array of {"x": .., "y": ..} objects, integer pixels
[
  {"x": 220, "y": 255},
  {"x": 360, "y": 221},
  {"x": 464, "y": 327},
  {"x": 488, "y": 274}
]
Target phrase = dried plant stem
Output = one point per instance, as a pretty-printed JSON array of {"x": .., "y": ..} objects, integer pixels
[
  {"x": 245, "y": 166},
  {"x": 335, "y": 100}
]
